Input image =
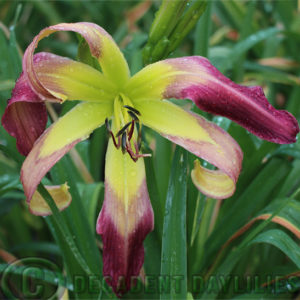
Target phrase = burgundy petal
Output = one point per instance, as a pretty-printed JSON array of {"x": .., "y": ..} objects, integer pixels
[
  {"x": 125, "y": 219},
  {"x": 123, "y": 257},
  {"x": 25, "y": 116},
  {"x": 197, "y": 79},
  {"x": 217, "y": 94}
]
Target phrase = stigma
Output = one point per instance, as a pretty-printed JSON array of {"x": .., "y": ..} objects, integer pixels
[{"x": 126, "y": 130}]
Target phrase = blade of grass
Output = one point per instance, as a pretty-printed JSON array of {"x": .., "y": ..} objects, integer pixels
[
  {"x": 174, "y": 233},
  {"x": 245, "y": 31},
  {"x": 202, "y": 32},
  {"x": 44, "y": 274},
  {"x": 228, "y": 264},
  {"x": 63, "y": 228},
  {"x": 78, "y": 222},
  {"x": 243, "y": 46},
  {"x": 162, "y": 164},
  {"x": 249, "y": 203}
]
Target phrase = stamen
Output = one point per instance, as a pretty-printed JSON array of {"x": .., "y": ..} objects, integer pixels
[
  {"x": 137, "y": 155},
  {"x": 125, "y": 138},
  {"x": 130, "y": 108},
  {"x": 107, "y": 125},
  {"x": 133, "y": 116},
  {"x": 124, "y": 142},
  {"x": 117, "y": 145},
  {"x": 139, "y": 138},
  {"x": 130, "y": 133},
  {"x": 123, "y": 129}
]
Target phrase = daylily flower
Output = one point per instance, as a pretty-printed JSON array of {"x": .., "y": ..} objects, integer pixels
[{"x": 125, "y": 104}]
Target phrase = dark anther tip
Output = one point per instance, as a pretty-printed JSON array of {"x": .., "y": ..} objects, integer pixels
[{"x": 130, "y": 108}]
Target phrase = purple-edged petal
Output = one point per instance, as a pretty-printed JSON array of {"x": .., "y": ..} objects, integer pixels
[
  {"x": 125, "y": 219},
  {"x": 102, "y": 46},
  {"x": 25, "y": 116},
  {"x": 58, "y": 139},
  {"x": 197, "y": 79},
  {"x": 202, "y": 138}
]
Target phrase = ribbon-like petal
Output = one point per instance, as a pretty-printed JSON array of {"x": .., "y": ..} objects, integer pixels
[
  {"x": 197, "y": 79},
  {"x": 214, "y": 184},
  {"x": 59, "y": 138},
  {"x": 67, "y": 79},
  {"x": 202, "y": 138},
  {"x": 125, "y": 219},
  {"x": 102, "y": 47},
  {"x": 25, "y": 116},
  {"x": 60, "y": 194}
]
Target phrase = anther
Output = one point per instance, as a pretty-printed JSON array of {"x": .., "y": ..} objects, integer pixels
[
  {"x": 137, "y": 155},
  {"x": 124, "y": 140},
  {"x": 130, "y": 133},
  {"x": 117, "y": 145},
  {"x": 120, "y": 132},
  {"x": 133, "y": 116},
  {"x": 130, "y": 108}
]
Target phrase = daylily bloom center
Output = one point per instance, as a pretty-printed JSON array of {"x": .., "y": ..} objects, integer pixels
[{"x": 126, "y": 131}]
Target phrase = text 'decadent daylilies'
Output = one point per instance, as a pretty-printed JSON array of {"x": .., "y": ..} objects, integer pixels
[{"x": 121, "y": 101}]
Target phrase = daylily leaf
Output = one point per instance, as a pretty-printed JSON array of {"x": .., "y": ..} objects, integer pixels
[
  {"x": 247, "y": 44},
  {"x": 173, "y": 253},
  {"x": 45, "y": 275},
  {"x": 288, "y": 217},
  {"x": 90, "y": 195},
  {"x": 248, "y": 203},
  {"x": 281, "y": 240},
  {"x": 275, "y": 237}
]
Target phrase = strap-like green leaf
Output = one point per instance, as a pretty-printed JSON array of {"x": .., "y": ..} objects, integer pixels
[{"x": 174, "y": 264}]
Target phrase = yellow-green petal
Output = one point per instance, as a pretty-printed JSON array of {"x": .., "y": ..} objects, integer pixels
[
  {"x": 102, "y": 46},
  {"x": 151, "y": 82},
  {"x": 195, "y": 78},
  {"x": 67, "y": 79},
  {"x": 58, "y": 139},
  {"x": 202, "y": 138},
  {"x": 125, "y": 219}
]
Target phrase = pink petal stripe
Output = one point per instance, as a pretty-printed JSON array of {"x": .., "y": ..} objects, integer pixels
[
  {"x": 123, "y": 251},
  {"x": 25, "y": 116},
  {"x": 213, "y": 92}
]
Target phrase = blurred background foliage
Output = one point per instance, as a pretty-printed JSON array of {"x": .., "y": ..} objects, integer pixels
[{"x": 254, "y": 234}]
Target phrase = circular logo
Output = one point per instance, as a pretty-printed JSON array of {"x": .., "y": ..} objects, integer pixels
[{"x": 32, "y": 278}]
